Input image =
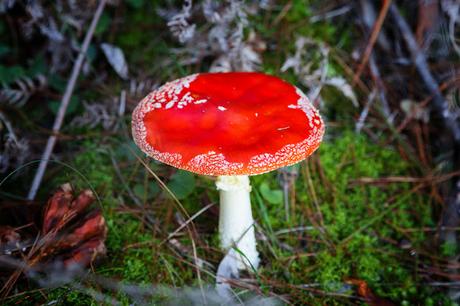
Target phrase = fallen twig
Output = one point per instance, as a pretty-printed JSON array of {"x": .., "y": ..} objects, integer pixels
[
  {"x": 64, "y": 103},
  {"x": 404, "y": 179},
  {"x": 372, "y": 39},
  {"x": 365, "y": 111}
]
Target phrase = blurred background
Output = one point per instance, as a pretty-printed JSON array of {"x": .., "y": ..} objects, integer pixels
[{"x": 371, "y": 218}]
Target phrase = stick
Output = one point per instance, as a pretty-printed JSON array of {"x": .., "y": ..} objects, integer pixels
[
  {"x": 64, "y": 103},
  {"x": 374, "y": 35},
  {"x": 365, "y": 112}
]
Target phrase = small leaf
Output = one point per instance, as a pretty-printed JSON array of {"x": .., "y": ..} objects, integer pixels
[
  {"x": 103, "y": 24},
  {"x": 139, "y": 191},
  {"x": 153, "y": 189},
  {"x": 146, "y": 194},
  {"x": 38, "y": 66},
  {"x": 182, "y": 184},
  {"x": 131, "y": 150},
  {"x": 91, "y": 53},
  {"x": 273, "y": 196},
  {"x": 116, "y": 58},
  {"x": 344, "y": 87},
  {"x": 10, "y": 74}
]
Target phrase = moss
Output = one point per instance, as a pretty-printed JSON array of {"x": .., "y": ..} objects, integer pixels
[
  {"x": 360, "y": 222},
  {"x": 449, "y": 249},
  {"x": 70, "y": 296}
]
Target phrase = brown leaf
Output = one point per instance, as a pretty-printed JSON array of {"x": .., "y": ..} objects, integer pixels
[{"x": 366, "y": 292}]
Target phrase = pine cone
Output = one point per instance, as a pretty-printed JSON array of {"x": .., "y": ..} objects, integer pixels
[{"x": 72, "y": 232}]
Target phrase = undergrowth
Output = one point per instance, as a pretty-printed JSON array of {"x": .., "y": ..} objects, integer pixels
[
  {"x": 339, "y": 228},
  {"x": 348, "y": 230}
]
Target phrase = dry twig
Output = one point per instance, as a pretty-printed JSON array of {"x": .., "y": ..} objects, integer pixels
[
  {"x": 65, "y": 103},
  {"x": 375, "y": 33}
]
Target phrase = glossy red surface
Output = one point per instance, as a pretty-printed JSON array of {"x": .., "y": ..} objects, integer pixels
[{"x": 237, "y": 116}]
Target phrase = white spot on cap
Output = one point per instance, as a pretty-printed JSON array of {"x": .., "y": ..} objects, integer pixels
[
  {"x": 221, "y": 108},
  {"x": 283, "y": 128},
  {"x": 304, "y": 104},
  {"x": 169, "y": 105}
]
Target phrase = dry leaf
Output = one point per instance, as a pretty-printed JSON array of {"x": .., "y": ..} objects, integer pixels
[
  {"x": 116, "y": 58},
  {"x": 366, "y": 292},
  {"x": 344, "y": 87}
]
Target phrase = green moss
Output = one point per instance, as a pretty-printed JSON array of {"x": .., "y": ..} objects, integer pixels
[
  {"x": 333, "y": 270},
  {"x": 449, "y": 249},
  {"x": 360, "y": 222},
  {"x": 70, "y": 296}
]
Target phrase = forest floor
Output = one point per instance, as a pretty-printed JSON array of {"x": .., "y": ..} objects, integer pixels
[{"x": 367, "y": 219}]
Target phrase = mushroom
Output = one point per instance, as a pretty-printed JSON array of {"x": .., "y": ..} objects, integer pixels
[{"x": 230, "y": 125}]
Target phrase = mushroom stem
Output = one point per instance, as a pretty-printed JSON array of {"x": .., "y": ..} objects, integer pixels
[{"x": 236, "y": 225}]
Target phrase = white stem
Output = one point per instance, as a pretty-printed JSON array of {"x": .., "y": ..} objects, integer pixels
[{"x": 236, "y": 225}]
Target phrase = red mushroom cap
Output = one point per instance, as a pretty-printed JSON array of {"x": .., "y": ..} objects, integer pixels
[{"x": 236, "y": 123}]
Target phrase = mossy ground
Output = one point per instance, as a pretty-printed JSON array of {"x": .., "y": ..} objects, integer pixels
[{"x": 338, "y": 229}]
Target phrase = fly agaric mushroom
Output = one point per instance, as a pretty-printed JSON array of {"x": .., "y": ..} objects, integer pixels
[{"x": 230, "y": 125}]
